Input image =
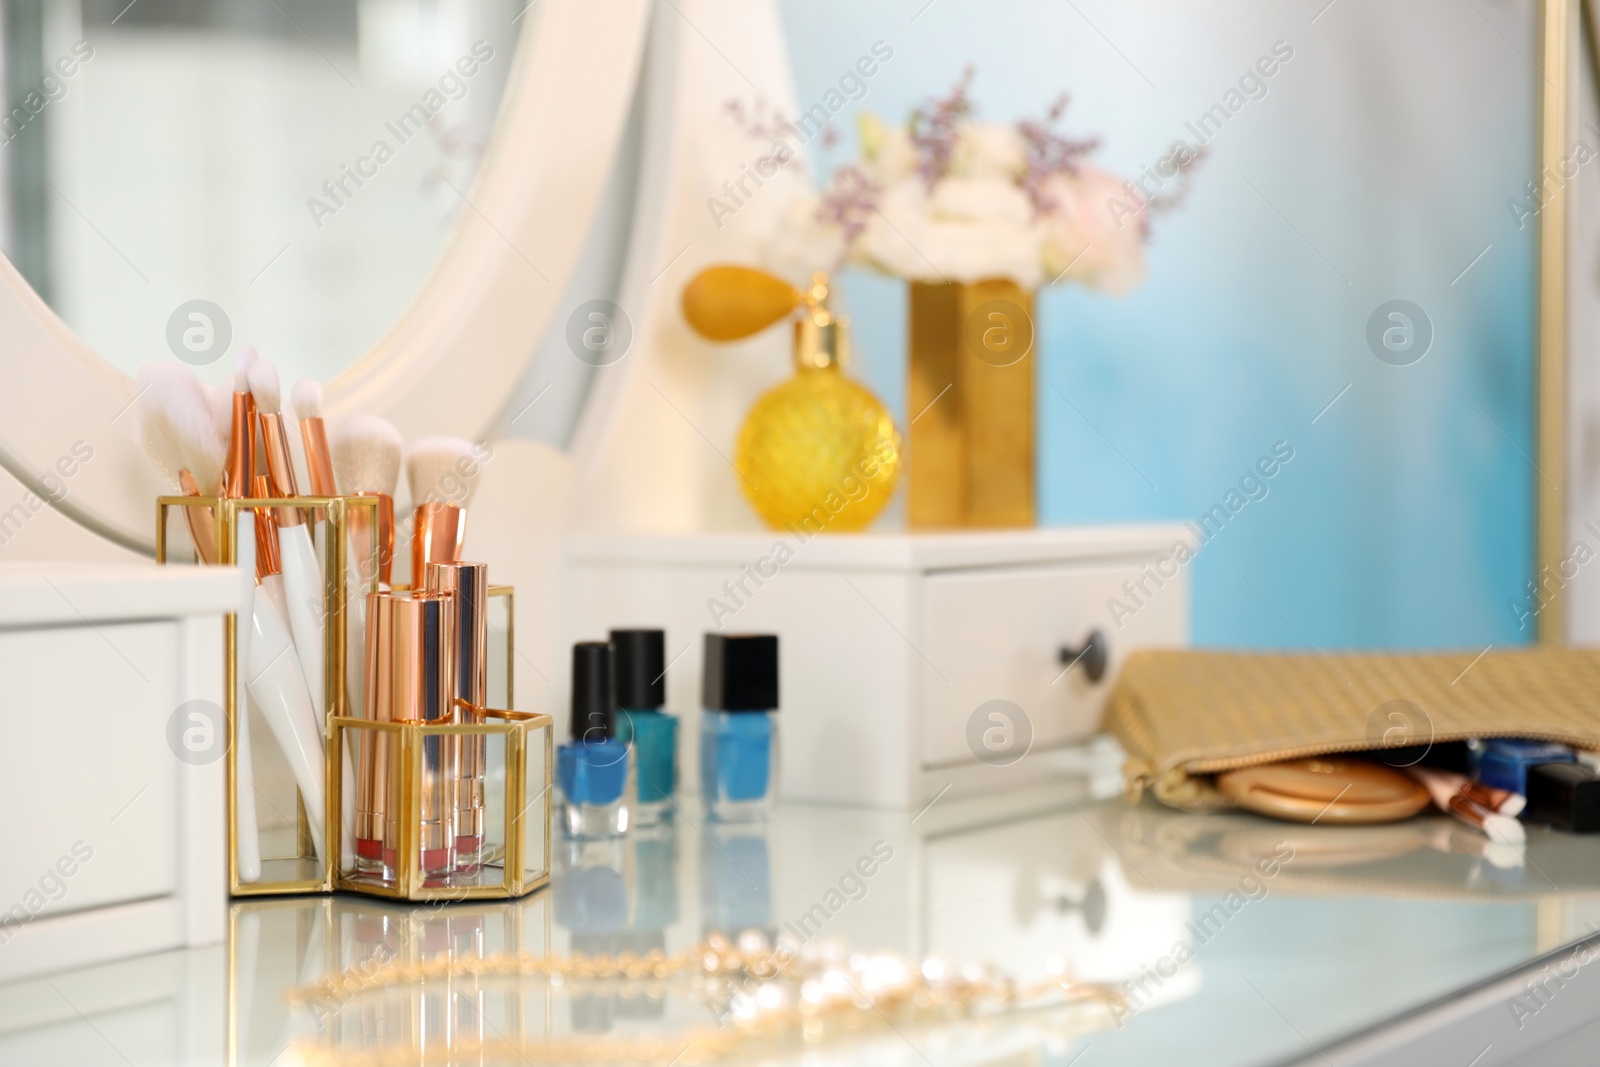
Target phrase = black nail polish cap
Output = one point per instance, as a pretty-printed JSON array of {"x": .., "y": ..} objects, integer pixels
[
  {"x": 1565, "y": 796},
  {"x": 741, "y": 672},
  {"x": 640, "y": 663},
  {"x": 594, "y": 702}
]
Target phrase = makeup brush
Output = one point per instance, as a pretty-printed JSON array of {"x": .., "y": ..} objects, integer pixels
[
  {"x": 307, "y": 401},
  {"x": 365, "y": 455},
  {"x": 366, "y": 462},
  {"x": 276, "y": 682},
  {"x": 178, "y": 431},
  {"x": 442, "y": 473},
  {"x": 248, "y": 836},
  {"x": 302, "y": 575},
  {"x": 220, "y": 401},
  {"x": 241, "y": 469}
]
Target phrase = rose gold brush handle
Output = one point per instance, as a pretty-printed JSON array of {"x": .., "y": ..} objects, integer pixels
[
  {"x": 372, "y": 539},
  {"x": 280, "y": 466},
  {"x": 438, "y": 535},
  {"x": 202, "y": 522},
  {"x": 239, "y": 478},
  {"x": 319, "y": 460}
]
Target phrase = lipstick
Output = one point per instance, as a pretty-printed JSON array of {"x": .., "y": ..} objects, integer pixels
[
  {"x": 468, "y": 586},
  {"x": 409, "y": 680}
]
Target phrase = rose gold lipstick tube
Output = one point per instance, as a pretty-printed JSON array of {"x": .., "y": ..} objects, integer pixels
[
  {"x": 438, "y": 534},
  {"x": 408, "y": 680},
  {"x": 468, "y": 584}
]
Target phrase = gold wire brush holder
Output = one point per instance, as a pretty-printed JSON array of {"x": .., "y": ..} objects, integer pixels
[{"x": 289, "y": 863}]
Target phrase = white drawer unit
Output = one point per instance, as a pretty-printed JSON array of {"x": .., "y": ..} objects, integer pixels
[
  {"x": 114, "y": 845},
  {"x": 910, "y": 664},
  {"x": 998, "y": 633}
]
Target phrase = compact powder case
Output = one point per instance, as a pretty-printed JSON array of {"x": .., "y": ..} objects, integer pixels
[{"x": 1325, "y": 790}]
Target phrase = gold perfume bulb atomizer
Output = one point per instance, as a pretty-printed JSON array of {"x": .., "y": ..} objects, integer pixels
[{"x": 818, "y": 453}]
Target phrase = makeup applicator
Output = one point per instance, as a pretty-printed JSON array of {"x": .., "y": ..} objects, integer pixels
[
  {"x": 278, "y": 685},
  {"x": 366, "y": 462},
  {"x": 307, "y": 401},
  {"x": 239, "y": 475},
  {"x": 442, "y": 474},
  {"x": 365, "y": 455},
  {"x": 177, "y": 429},
  {"x": 302, "y": 575},
  {"x": 177, "y": 432}
]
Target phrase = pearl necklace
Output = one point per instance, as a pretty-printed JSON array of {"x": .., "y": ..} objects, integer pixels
[{"x": 762, "y": 996}]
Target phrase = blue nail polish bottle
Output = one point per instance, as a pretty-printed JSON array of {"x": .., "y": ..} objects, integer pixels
[
  {"x": 593, "y": 767},
  {"x": 739, "y": 730},
  {"x": 641, "y": 668},
  {"x": 1503, "y": 762}
]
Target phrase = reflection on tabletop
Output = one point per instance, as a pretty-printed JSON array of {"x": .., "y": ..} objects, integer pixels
[{"x": 1202, "y": 925}]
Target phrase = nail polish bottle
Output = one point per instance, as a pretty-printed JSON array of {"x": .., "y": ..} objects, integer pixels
[
  {"x": 739, "y": 730},
  {"x": 593, "y": 767},
  {"x": 640, "y": 663}
]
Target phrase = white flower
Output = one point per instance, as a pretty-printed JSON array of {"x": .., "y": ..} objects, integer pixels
[
  {"x": 887, "y": 153},
  {"x": 965, "y": 231},
  {"x": 1093, "y": 231},
  {"x": 996, "y": 200},
  {"x": 988, "y": 150}
]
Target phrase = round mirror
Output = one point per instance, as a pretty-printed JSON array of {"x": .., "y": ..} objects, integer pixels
[{"x": 182, "y": 177}]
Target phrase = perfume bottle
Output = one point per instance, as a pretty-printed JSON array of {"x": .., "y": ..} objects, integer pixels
[
  {"x": 640, "y": 666},
  {"x": 739, "y": 730},
  {"x": 819, "y": 451},
  {"x": 593, "y": 767}
]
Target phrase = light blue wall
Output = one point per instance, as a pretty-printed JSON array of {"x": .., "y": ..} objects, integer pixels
[{"x": 1377, "y": 167}]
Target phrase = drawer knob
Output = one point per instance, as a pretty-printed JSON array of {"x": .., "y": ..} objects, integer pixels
[{"x": 1092, "y": 656}]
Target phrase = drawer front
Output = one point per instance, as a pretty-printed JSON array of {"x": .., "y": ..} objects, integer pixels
[
  {"x": 90, "y": 788},
  {"x": 997, "y": 635}
]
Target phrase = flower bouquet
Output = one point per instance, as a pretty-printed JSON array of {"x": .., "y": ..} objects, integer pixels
[
  {"x": 946, "y": 198},
  {"x": 977, "y": 216}
]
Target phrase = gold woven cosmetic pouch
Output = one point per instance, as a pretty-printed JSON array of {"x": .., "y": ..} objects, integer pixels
[{"x": 1182, "y": 716}]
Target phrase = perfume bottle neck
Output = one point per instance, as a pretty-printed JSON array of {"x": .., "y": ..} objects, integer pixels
[{"x": 821, "y": 341}]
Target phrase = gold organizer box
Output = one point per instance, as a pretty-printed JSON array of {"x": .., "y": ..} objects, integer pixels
[
  {"x": 1183, "y": 716},
  {"x": 520, "y": 850}
]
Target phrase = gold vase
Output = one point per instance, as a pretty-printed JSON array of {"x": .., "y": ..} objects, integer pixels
[{"x": 970, "y": 398}]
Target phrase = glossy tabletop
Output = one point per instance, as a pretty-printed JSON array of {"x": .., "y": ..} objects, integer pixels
[{"x": 1234, "y": 940}]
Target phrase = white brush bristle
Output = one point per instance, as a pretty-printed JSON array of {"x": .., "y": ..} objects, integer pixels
[
  {"x": 307, "y": 399},
  {"x": 1504, "y": 830},
  {"x": 441, "y": 469},
  {"x": 221, "y": 404},
  {"x": 366, "y": 455},
  {"x": 264, "y": 387},
  {"x": 241, "y": 368},
  {"x": 176, "y": 427}
]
